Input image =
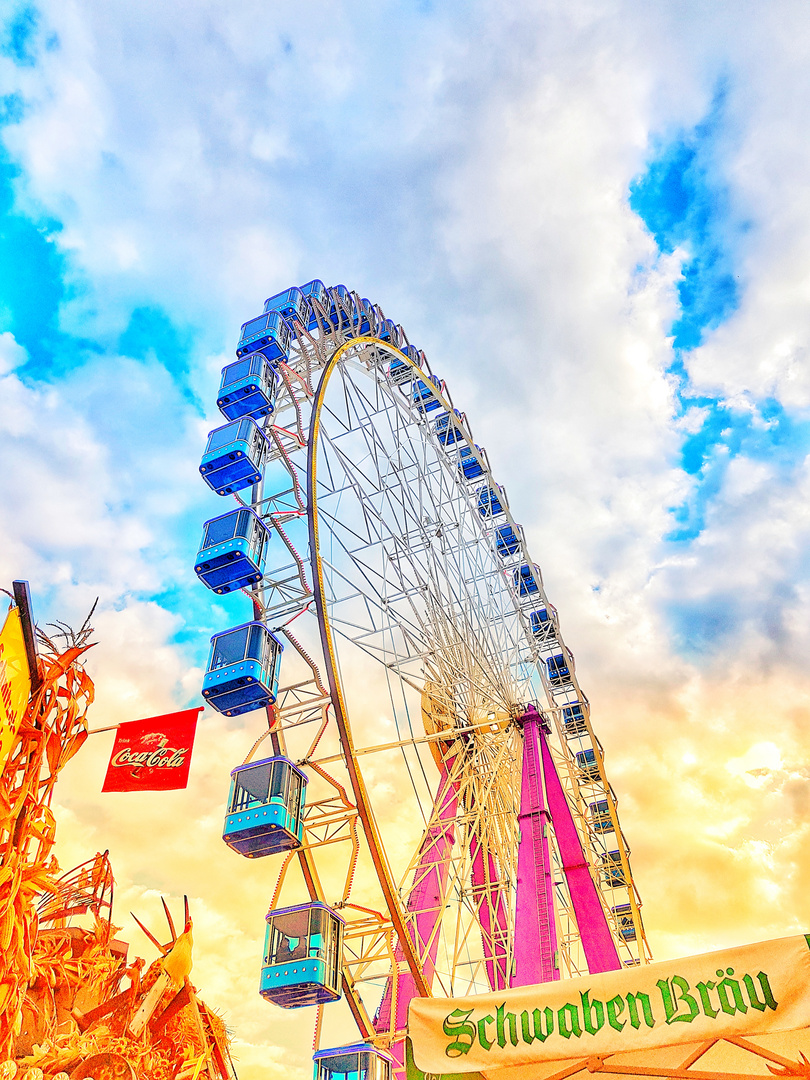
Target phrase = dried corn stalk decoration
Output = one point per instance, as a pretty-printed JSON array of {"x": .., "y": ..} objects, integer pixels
[{"x": 71, "y": 1007}]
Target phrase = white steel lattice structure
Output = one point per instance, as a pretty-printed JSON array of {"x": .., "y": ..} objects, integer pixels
[{"x": 420, "y": 630}]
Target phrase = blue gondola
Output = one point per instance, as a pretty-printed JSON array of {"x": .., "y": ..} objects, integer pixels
[
  {"x": 506, "y": 541},
  {"x": 265, "y": 808},
  {"x": 233, "y": 551},
  {"x": 540, "y": 622},
  {"x": 613, "y": 869},
  {"x": 424, "y": 393},
  {"x": 360, "y": 1061},
  {"x": 234, "y": 456},
  {"x": 302, "y": 954},
  {"x": 574, "y": 719},
  {"x": 340, "y": 304},
  {"x": 399, "y": 372},
  {"x": 587, "y": 765},
  {"x": 599, "y": 816},
  {"x": 469, "y": 464},
  {"x": 558, "y": 667},
  {"x": 314, "y": 292},
  {"x": 290, "y": 303},
  {"x": 624, "y": 921},
  {"x": 525, "y": 580},
  {"x": 490, "y": 501},
  {"x": 392, "y": 333},
  {"x": 359, "y": 321},
  {"x": 268, "y": 334},
  {"x": 248, "y": 388},
  {"x": 448, "y": 428},
  {"x": 242, "y": 670},
  {"x": 368, "y": 323}
]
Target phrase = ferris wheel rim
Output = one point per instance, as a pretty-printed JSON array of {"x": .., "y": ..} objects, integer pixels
[{"x": 363, "y": 802}]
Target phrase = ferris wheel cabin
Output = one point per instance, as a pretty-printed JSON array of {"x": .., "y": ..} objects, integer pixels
[
  {"x": 507, "y": 543},
  {"x": 234, "y": 456},
  {"x": 525, "y": 580},
  {"x": 574, "y": 719},
  {"x": 290, "y": 304},
  {"x": 469, "y": 464},
  {"x": 613, "y": 870},
  {"x": 339, "y": 301},
  {"x": 599, "y": 816},
  {"x": 302, "y": 953},
  {"x": 491, "y": 501},
  {"x": 233, "y": 551},
  {"x": 399, "y": 372},
  {"x": 268, "y": 334},
  {"x": 248, "y": 388},
  {"x": 558, "y": 668},
  {"x": 540, "y": 623},
  {"x": 448, "y": 427},
  {"x": 265, "y": 808},
  {"x": 424, "y": 393},
  {"x": 587, "y": 765},
  {"x": 366, "y": 317},
  {"x": 313, "y": 292},
  {"x": 243, "y": 669},
  {"x": 624, "y": 921},
  {"x": 360, "y": 1061}
]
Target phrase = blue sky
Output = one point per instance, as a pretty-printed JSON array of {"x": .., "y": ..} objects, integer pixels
[{"x": 595, "y": 221}]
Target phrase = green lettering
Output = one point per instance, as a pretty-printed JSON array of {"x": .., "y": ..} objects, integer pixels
[
  {"x": 537, "y": 1018},
  {"x": 615, "y": 1007},
  {"x": 752, "y": 993},
  {"x": 463, "y": 1031},
  {"x": 568, "y": 1021},
  {"x": 672, "y": 1003},
  {"x": 766, "y": 990},
  {"x": 512, "y": 1021},
  {"x": 728, "y": 986},
  {"x": 633, "y": 1001},
  {"x": 483, "y": 1038},
  {"x": 703, "y": 989},
  {"x": 593, "y": 1013}
]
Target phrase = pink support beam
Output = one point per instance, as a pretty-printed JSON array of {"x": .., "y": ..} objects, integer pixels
[
  {"x": 490, "y": 904},
  {"x": 535, "y": 928},
  {"x": 598, "y": 943},
  {"x": 425, "y": 903}
]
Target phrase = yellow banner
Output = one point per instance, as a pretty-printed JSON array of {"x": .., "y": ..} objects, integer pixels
[
  {"x": 751, "y": 990},
  {"x": 15, "y": 682}
]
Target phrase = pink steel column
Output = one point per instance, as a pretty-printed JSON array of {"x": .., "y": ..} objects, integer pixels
[
  {"x": 425, "y": 903},
  {"x": 535, "y": 929},
  {"x": 597, "y": 941},
  {"x": 490, "y": 904}
]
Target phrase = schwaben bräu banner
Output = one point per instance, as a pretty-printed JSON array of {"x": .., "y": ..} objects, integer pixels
[{"x": 748, "y": 990}]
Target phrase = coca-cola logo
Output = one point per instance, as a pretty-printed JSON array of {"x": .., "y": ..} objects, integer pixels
[
  {"x": 164, "y": 758},
  {"x": 152, "y": 754}
]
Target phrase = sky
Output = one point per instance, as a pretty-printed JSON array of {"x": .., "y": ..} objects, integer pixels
[{"x": 594, "y": 217}]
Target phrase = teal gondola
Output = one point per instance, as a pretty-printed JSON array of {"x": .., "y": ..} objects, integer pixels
[
  {"x": 302, "y": 956},
  {"x": 243, "y": 669},
  {"x": 265, "y": 807},
  {"x": 360, "y": 1061}
]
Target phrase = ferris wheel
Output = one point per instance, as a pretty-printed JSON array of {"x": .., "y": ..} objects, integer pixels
[{"x": 429, "y": 763}]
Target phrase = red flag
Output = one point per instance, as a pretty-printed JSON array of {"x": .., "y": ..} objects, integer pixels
[{"x": 152, "y": 754}]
